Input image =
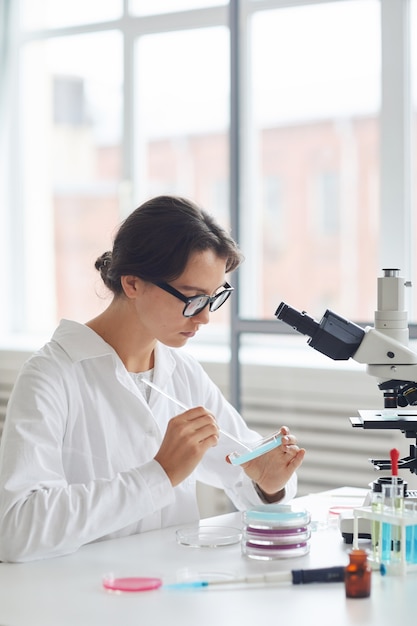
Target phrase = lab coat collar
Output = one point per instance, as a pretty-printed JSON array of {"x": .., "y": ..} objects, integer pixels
[{"x": 81, "y": 343}]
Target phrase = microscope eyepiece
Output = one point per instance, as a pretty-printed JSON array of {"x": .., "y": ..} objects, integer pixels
[
  {"x": 334, "y": 336},
  {"x": 301, "y": 322}
]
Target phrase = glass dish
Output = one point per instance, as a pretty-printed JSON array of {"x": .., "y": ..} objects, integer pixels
[{"x": 208, "y": 536}]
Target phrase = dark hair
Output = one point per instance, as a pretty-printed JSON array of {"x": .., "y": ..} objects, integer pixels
[{"x": 156, "y": 240}]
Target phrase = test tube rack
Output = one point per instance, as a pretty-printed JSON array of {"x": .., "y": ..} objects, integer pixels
[{"x": 406, "y": 559}]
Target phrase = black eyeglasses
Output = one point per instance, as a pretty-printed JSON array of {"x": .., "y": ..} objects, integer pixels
[{"x": 196, "y": 304}]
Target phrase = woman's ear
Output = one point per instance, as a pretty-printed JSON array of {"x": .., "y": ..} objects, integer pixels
[{"x": 130, "y": 285}]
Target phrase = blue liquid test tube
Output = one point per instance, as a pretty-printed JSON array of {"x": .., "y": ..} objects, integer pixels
[
  {"x": 409, "y": 544},
  {"x": 393, "y": 504}
]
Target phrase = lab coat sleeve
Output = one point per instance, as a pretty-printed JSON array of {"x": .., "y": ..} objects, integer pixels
[{"x": 41, "y": 515}]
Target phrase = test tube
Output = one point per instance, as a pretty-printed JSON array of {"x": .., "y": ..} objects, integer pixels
[
  {"x": 376, "y": 507},
  {"x": 393, "y": 504}
]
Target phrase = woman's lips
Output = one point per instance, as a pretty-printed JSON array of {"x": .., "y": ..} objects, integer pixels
[{"x": 189, "y": 334}]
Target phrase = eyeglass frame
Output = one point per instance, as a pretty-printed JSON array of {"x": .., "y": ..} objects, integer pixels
[{"x": 228, "y": 289}]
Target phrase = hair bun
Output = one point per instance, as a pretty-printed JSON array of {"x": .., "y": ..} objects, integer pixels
[{"x": 103, "y": 261}]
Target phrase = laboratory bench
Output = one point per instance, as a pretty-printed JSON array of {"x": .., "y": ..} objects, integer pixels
[{"x": 68, "y": 591}]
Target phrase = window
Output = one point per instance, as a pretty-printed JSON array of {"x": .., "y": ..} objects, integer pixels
[
  {"x": 109, "y": 113},
  {"x": 304, "y": 148},
  {"x": 70, "y": 171},
  {"x": 40, "y": 14},
  {"x": 142, "y": 7},
  {"x": 274, "y": 233},
  {"x": 327, "y": 201},
  {"x": 411, "y": 225},
  {"x": 182, "y": 117},
  {"x": 313, "y": 124}
]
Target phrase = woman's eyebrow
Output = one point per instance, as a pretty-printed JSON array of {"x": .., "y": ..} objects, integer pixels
[
  {"x": 191, "y": 288},
  {"x": 198, "y": 290}
]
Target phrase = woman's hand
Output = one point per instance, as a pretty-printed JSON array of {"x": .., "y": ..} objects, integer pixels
[
  {"x": 272, "y": 470},
  {"x": 187, "y": 438}
]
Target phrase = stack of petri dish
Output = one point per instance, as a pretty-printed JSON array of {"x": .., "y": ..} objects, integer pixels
[{"x": 276, "y": 531}]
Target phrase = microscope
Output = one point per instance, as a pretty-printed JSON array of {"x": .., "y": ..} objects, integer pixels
[{"x": 384, "y": 350}]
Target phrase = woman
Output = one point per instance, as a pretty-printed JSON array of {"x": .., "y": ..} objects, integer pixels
[{"x": 90, "y": 451}]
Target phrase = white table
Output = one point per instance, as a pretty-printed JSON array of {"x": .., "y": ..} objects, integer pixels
[{"x": 68, "y": 591}]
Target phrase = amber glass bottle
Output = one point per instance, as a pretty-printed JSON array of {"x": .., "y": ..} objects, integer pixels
[{"x": 358, "y": 575}]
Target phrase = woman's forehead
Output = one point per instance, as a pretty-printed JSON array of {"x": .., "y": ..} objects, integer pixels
[{"x": 204, "y": 271}]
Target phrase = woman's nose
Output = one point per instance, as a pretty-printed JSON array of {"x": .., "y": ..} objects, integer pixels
[{"x": 204, "y": 316}]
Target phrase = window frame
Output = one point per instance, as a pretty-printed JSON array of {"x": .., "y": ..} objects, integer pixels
[{"x": 396, "y": 152}]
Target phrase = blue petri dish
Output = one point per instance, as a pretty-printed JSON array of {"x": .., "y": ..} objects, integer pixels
[{"x": 261, "y": 447}]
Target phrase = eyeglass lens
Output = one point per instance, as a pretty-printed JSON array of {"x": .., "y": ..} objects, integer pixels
[
  {"x": 219, "y": 299},
  {"x": 200, "y": 302}
]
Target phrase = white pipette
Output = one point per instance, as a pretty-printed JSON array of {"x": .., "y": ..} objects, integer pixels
[{"x": 186, "y": 408}]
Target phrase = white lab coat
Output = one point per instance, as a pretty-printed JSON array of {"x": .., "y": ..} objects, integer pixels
[{"x": 76, "y": 458}]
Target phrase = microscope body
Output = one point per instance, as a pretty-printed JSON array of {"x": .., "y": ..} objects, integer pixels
[{"x": 382, "y": 348}]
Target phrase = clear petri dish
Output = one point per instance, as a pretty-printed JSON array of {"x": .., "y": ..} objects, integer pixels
[
  {"x": 208, "y": 536},
  {"x": 260, "y": 447},
  {"x": 188, "y": 574}
]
